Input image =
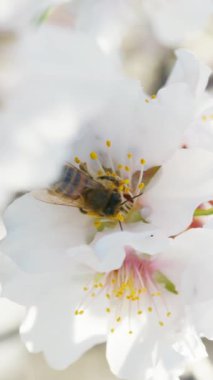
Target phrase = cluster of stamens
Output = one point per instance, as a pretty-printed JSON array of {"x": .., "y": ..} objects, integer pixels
[{"x": 131, "y": 290}]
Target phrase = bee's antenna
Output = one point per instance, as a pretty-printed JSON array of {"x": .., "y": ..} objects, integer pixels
[{"x": 136, "y": 196}]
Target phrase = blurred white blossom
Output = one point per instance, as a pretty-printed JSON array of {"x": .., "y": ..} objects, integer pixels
[
  {"x": 17, "y": 14},
  {"x": 200, "y": 133},
  {"x": 170, "y": 21},
  {"x": 173, "y": 21},
  {"x": 109, "y": 22}
]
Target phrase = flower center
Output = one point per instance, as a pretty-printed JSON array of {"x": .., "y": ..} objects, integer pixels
[
  {"x": 119, "y": 187},
  {"x": 137, "y": 289}
]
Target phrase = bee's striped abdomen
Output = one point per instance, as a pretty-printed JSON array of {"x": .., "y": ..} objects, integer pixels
[{"x": 72, "y": 182}]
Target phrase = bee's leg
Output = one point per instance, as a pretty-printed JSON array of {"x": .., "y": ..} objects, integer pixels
[
  {"x": 120, "y": 224},
  {"x": 83, "y": 211}
]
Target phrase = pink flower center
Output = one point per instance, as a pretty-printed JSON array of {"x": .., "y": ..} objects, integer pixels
[{"x": 137, "y": 289}]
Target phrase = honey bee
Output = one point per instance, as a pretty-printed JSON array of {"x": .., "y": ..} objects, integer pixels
[{"x": 78, "y": 188}]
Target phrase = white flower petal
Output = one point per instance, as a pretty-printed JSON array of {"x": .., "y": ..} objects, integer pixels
[
  {"x": 179, "y": 187},
  {"x": 22, "y": 287},
  {"x": 173, "y": 21},
  {"x": 105, "y": 20},
  {"x": 202, "y": 315},
  {"x": 156, "y": 127},
  {"x": 55, "y": 330},
  {"x": 189, "y": 69},
  {"x": 196, "y": 247},
  {"x": 3, "y": 231},
  {"x": 110, "y": 249},
  {"x": 53, "y": 92},
  {"x": 141, "y": 355},
  {"x": 200, "y": 134},
  {"x": 39, "y": 233},
  {"x": 18, "y": 14},
  {"x": 124, "y": 352},
  {"x": 107, "y": 252},
  {"x": 163, "y": 122},
  {"x": 190, "y": 345}
]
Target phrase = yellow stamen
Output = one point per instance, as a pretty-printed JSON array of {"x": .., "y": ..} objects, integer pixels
[
  {"x": 97, "y": 224},
  {"x": 141, "y": 186},
  {"x": 156, "y": 294},
  {"x": 85, "y": 289},
  {"x": 147, "y": 100},
  {"x": 77, "y": 160},
  {"x": 120, "y": 166},
  {"x": 161, "y": 323},
  {"x": 130, "y": 332},
  {"x": 140, "y": 312},
  {"x": 120, "y": 217},
  {"x": 129, "y": 155},
  {"x": 142, "y": 161},
  {"x": 150, "y": 309},
  {"x": 93, "y": 156},
  {"x": 142, "y": 290},
  {"x": 108, "y": 310},
  {"x": 112, "y": 331},
  {"x": 118, "y": 319},
  {"x": 126, "y": 181},
  {"x": 168, "y": 314},
  {"x": 154, "y": 96},
  {"x": 108, "y": 143},
  {"x": 127, "y": 168}
]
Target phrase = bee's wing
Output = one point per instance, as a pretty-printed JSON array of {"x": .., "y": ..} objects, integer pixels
[
  {"x": 52, "y": 197},
  {"x": 73, "y": 182},
  {"x": 68, "y": 190}
]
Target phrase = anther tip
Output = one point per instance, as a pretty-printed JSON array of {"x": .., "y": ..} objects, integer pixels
[
  {"x": 93, "y": 156},
  {"x": 77, "y": 160}
]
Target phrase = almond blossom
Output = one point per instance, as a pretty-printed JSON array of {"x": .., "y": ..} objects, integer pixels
[{"x": 134, "y": 290}]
